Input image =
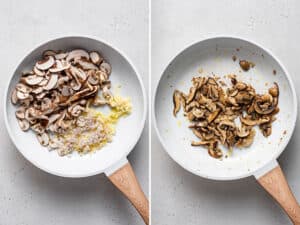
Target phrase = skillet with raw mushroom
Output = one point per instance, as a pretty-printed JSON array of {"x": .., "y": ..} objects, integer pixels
[
  {"x": 54, "y": 101},
  {"x": 213, "y": 111}
]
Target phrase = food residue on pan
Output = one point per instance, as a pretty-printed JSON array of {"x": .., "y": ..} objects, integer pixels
[
  {"x": 213, "y": 112},
  {"x": 54, "y": 100},
  {"x": 274, "y": 72},
  {"x": 234, "y": 58},
  {"x": 246, "y": 65}
]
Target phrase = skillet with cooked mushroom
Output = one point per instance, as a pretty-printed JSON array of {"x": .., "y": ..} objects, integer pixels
[
  {"x": 213, "y": 111},
  {"x": 53, "y": 100}
]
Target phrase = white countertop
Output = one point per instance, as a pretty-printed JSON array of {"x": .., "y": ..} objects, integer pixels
[
  {"x": 179, "y": 197},
  {"x": 29, "y": 196}
]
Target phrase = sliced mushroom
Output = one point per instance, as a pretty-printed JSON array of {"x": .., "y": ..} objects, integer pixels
[
  {"x": 93, "y": 78},
  {"x": 191, "y": 94},
  {"x": 14, "y": 97},
  {"x": 40, "y": 95},
  {"x": 33, "y": 80},
  {"x": 61, "y": 55},
  {"x": 76, "y": 110},
  {"x": 24, "y": 125},
  {"x": 23, "y": 88},
  {"x": 52, "y": 82},
  {"x": 37, "y": 90},
  {"x": 213, "y": 115},
  {"x": 177, "y": 99},
  {"x": 242, "y": 132},
  {"x": 75, "y": 85},
  {"x": 214, "y": 151},
  {"x": 46, "y": 63},
  {"x": 77, "y": 54},
  {"x": 49, "y": 53},
  {"x": 60, "y": 66},
  {"x": 57, "y": 91},
  {"x": 250, "y": 122},
  {"x": 44, "y": 81},
  {"x": 105, "y": 67},
  {"x": 274, "y": 91},
  {"x": 43, "y": 139},
  {"x": 95, "y": 58},
  {"x": 246, "y": 141},
  {"x": 22, "y": 95},
  {"x": 38, "y": 128},
  {"x": 85, "y": 64},
  {"x": 20, "y": 113},
  {"x": 200, "y": 143},
  {"x": 78, "y": 73},
  {"x": 66, "y": 91},
  {"x": 38, "y": 72},
  {"x": 265, "y": 106}
]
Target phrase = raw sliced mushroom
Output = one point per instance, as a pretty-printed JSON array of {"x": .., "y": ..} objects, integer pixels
[
  {"x": 23, "y": 88},
  {"x": 76, "y": 110},
  {"x": 95, "y": 58},
  {"x": 46, "y": 63},
  {"x": 38, "y": 72},
  {"x": 77, "y": 54},
  {"x": 24, "y": 125},
  {"x": 20, "y": 113},
  {"x": 49, "y": 53},
  {"x": 85, "y": 64},
  {"x": 52, "y": 82},
  {"x": 33, "y": 80},
  {"x": 105, "y": 67},
  {"x": 78, "y": 73},
  {"x": 14, "y": 97},
  {"x": 51, "y": 96},
  {"x": 93, "y": 78},
  {"x": 38, "y": 90},
  {"x": 22, "y": 95},
  {"x": 66, "y": 91},
  {"x": 43, "y": 139},
  {"x": 60, "y": 66},
  {"x": 61, "y": 55},
  {"x": 38, "y": 128},
  {"x": 44, "y": 81}
]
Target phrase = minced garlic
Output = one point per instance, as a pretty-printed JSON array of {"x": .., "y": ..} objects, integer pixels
[{"x": 94, "y": 129}]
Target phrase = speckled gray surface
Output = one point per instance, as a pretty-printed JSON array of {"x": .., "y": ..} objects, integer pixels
[
  {"x": 179, "y": 197},
  {"x": 29, "y": 196}
]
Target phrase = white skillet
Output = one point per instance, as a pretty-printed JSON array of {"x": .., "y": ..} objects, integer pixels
[
  {"x": 214, "y": 55},
  {"x": 112, "y": 159}
]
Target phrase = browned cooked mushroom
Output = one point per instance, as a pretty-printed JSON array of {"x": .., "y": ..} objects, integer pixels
[{"x": 213, "y": 112}]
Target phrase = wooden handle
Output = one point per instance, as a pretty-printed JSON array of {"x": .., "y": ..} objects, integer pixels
[
  {"x": 125, "y": 180},
  {"x": 275, "y": 183}
]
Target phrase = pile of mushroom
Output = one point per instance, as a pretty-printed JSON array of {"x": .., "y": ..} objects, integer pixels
[
  {"x": 213, "y": 112},
  {"x": 54, "y": 94}
]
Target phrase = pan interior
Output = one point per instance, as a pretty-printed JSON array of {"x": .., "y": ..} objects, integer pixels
[
  {"x": 214, "y": 56},
  {"x": 129, "y": 85}
]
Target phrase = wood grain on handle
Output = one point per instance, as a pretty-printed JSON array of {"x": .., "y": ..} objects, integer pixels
[
  {"x": 275, "y": 183},
  {"x": 125, "y": 180}
]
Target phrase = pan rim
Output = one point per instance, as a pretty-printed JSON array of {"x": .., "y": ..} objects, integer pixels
[
  {"x": 139, "y": 130},
  {"x": 294, "y": 113}
]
